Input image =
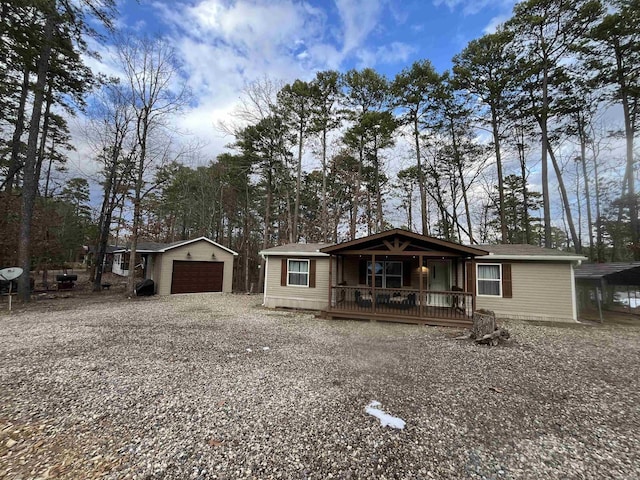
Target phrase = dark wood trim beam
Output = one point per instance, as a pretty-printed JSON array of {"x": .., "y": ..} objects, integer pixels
[{"x": 403, "y": 253}]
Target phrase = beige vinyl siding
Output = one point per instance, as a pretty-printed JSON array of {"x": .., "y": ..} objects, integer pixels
[
  {"x": 200, "y": 251},
  {"x": 294, "y": 296},
  {"x": 541, "y": 291},
  {"x": 156, "y": 273}
]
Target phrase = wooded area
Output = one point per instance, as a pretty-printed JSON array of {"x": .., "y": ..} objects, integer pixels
[{"x": 555, "y": 90}]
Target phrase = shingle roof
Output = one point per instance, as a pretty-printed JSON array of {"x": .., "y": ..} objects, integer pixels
[
  {"x": 422, "y": 241},
  {"x": 157, "y": 247},
  {"x": 312, "y": 249},
  {"x": 152, "y": 246},
  {"x": 525, "y": 250}
]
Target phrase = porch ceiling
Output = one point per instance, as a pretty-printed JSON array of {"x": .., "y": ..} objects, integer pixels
[{"x": 403, "y": 243}]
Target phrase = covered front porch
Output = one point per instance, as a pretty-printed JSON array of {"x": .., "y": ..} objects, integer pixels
[{"x": 402, "y": 276}]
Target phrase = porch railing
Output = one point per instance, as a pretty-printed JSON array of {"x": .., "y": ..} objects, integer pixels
[{"x": 402, "y": 302}]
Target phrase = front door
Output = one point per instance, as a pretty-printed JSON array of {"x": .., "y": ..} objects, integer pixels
[{"x": 439, "y": 281}]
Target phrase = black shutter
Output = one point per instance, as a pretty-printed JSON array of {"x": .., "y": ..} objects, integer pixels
[
  {"x": 312, "y": 273},
  {"x": 507, "y": 287},
  {"x": 470, "y": 271},
  {"x": 283, "y": 273}
]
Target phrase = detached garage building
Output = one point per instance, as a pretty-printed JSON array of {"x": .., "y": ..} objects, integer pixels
[{"x": 187, "y": 266}]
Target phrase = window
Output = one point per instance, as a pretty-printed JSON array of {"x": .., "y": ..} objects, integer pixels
[
  {"x": 298, "y": 272},
  {"x": 124, "y": 261},
  {"x": 490, "y": 280},
  {"x": 387, "y": 274}
]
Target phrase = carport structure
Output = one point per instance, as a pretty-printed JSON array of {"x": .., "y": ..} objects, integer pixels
[{"x": 613, "y": 285}]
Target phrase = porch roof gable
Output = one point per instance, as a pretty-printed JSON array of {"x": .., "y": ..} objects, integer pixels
[{"x": 402, "y": 242}]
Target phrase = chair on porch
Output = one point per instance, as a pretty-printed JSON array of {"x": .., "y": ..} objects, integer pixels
[
  {"x": 362, "y": 302},
  {"x": 459, "y": 301}
]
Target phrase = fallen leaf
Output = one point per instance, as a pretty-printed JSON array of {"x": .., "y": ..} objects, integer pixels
[
  {"x": 215, "y": 443},
  {"x": 496, "y": 389}
]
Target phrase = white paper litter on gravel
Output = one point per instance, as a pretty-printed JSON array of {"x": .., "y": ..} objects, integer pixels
[
  {"x": 386, "y": 420},
  {"x": 265, "y": 348}
]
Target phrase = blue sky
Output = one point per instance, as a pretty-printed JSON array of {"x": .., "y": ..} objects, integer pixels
[
  {"x": 342, "y": 34},
  {"x": 225, "y": 44}
]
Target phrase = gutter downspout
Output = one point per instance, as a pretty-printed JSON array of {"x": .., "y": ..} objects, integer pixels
[
  {"x": 264, "y": 294},
  {"x": 573, "y": 290}
]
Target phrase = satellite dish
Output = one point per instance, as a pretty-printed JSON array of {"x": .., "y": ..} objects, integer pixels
[{"x": 10, "y": 273}]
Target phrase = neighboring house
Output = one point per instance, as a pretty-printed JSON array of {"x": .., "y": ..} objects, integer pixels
[
  {"x": 107, "y": 263},
  {"x": 399, "y": 275},
  {"x": 188, "y": 266}
]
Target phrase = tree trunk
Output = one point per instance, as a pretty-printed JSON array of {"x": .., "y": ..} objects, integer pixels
[
  {"x": 484, "y": 322},
  {"x": 565, "y": 202},
  {"x": 596, "y": 180},
  {"x": 267, "y": 229},
  {"x": 45, "y": 133},
  {"x": 356, "y": 194},
  {"x": 325, "y": 213},
  {"x": 629, "y": 131},
  {"x": 137, "y": 203},
  {"x": 379, "y": 219},
  {"x": 545, "y": 164},
  {"x": 525, "y": 196},
  {"x": 496, "y": 144},
  {"x": 106, "y": 212},
  {"x": 423, "y": 193},
  {"x": 583, "y": 161},
  {"x": 15, "y": 165},
  {"x": 296, "y": 207},
  {"x": 30, "y": 184}
]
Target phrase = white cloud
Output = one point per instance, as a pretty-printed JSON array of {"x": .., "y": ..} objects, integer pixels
[
  {"x": 359, "y": 19},
  {"x": 226, "y": 44},
  {"x": 396, "y": 52},
  {"x": 495, "y": 22},
  {"x": 472, "y": 7}
]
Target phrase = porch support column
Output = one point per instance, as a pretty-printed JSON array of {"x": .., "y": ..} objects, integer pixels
[
  {"x": 420, "y": 286},
  {"x": 373, "y": 282},
  {"x": 473, "y": 288},
  {"x": 330, "y": 303}
]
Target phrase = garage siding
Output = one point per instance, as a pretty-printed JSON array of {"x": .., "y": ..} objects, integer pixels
[{"x": 200, "y": 251}]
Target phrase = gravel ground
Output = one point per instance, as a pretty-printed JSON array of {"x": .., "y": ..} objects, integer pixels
[{"x": 214, "y": 386}]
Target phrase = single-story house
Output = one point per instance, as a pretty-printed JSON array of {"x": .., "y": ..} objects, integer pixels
[
  {"x": 186, "y": 266},
  {"x": 399, "y": 275},
  {"x": 107, "y": 262}
]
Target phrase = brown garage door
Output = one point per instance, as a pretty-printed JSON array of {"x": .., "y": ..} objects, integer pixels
[{"x": 193, "y": 277}]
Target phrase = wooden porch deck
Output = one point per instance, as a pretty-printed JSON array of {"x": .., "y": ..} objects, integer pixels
[{"x": 450, "y": 309}]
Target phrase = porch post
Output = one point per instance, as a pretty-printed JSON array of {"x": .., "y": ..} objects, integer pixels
[
  {"x": 420, "y": 286},
  {"x": 473, "y": 288},
  {"x": 330, "y": 304},
  {"x": 373, "y": 282}
]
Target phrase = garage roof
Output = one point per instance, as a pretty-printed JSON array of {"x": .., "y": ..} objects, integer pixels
[{"x": 156, "y": 247}]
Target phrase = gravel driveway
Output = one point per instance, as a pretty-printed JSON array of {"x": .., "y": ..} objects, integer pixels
[{"x": 214, "y": 386}]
